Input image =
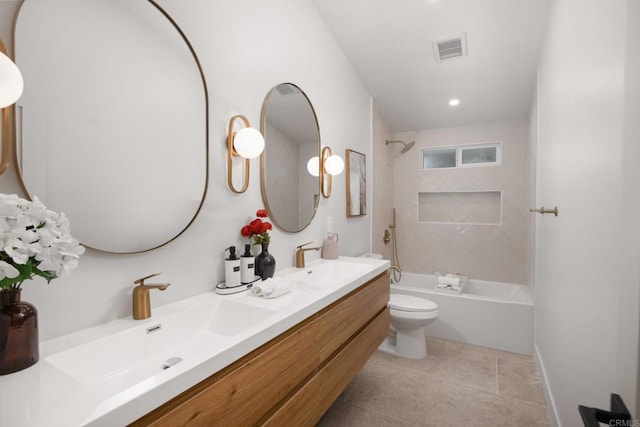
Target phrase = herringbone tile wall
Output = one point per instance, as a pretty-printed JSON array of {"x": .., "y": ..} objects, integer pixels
[
  {"x": 382, "y": 185},
  {"x": 487, "y": 252},
  {"x": 284, "y": 151}
]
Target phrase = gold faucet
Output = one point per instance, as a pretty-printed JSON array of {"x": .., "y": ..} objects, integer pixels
[
  {"x": 300, "y": 254},
  {"x": 141, "y": 300}
]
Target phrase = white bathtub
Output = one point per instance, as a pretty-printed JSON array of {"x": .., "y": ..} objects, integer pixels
[{"x": 491, "y": 314}]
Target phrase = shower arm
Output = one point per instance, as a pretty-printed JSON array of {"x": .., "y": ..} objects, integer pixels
[{"x": 407, "y": 146}]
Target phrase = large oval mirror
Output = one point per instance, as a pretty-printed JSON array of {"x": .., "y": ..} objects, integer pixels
[
  {"x": 112, "y": 125},
  {"x": 292, "y": 137}
]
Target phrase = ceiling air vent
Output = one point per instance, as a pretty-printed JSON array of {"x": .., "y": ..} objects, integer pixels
[{"x": 451, "y": 47}]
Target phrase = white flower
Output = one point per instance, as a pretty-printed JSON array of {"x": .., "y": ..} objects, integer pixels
[
  {"x": 7, "y": 270},
  {"x": 29, "y": 232},
  {"x": 16, "y": 250}
]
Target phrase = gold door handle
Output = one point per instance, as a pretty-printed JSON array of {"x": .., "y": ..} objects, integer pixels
[{"x": 543, "y": 211}]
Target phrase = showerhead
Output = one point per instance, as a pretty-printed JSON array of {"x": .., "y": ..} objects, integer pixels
[{"x": 406, "y": 147}]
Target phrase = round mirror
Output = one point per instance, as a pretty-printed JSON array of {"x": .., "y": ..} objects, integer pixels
[
  {"x": 112, "y": 125},
  {"x": 289, "y": 175}
]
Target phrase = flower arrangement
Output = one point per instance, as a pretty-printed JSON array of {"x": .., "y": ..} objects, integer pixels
[
  {"x": 258, "y": 230},
  {"x": 34, "y": 241}
]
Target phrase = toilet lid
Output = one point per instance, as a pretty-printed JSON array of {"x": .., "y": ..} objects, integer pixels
[{"x": 411, "y": 303}]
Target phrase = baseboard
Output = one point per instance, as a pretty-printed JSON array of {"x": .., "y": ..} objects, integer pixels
[{"x": 548, "y": 395}]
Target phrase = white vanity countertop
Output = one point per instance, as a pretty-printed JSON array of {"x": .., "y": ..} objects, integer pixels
[{"x": 47, "y": 394}]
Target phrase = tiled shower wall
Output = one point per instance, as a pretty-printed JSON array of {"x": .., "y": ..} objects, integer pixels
[
  {"x": 487, "y": 252},
  {"x": 382, "y": 184}
]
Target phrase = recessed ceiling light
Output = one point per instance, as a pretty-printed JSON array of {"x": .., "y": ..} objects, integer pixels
[{"x": 454, "y": 102}]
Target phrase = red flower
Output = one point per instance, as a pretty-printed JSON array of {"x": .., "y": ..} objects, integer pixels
[{"x": 258, "y": 230}]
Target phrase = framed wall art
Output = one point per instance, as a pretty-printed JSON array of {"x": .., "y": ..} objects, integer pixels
[{"x": 356, "y": 183}]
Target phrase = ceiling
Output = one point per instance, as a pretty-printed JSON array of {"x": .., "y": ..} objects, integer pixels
[{"x": 389, "y": 43}]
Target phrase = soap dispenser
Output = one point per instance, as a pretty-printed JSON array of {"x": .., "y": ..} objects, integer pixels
[
  {"x": 232, "y": 268},
  {"x": 247, "y": 264},
  {"x": 330, "y": 246}
]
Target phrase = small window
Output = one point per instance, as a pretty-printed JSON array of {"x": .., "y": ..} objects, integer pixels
[
  {"x": 440, "y": 158},
  {"x": 463, "y": 156}
]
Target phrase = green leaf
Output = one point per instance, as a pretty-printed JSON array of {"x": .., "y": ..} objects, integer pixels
[
  {"x": 25, "y": 273},
  {"x": 47, "y": 275}
]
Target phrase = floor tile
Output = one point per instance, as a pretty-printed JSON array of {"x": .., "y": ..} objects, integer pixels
[
  {"x": 457, "y": 384},
  {"x": 451, "y": 361},
  {"x": 343, "y": 414},
  {"x": 397, "y": 393},
  {"x": 520, "y": 380}
]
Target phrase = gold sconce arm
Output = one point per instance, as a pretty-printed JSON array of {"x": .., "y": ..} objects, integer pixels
[
  {"x": 7, "y": 115},
  {"x": 231, "y": 151},
  {"x": 11, "y": 88},
  {"x": 247, "y": 143},
  {"x": 330, "y": 165},
  {"x": 326, "y": 180}
]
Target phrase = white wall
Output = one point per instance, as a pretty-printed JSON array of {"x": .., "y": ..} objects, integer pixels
[
  {"x": 587, "y": 258},
  {"x": 246, "y": 47},
  {"x": 630, "y": 288}
]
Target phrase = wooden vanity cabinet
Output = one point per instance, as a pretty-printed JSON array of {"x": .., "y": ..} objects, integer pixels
[{"x": 294, "y": 378}]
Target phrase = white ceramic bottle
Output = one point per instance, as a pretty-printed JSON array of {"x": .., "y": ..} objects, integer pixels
[
  {"x": 247, "y": 266},
  {"x": 232, "y": 268}
]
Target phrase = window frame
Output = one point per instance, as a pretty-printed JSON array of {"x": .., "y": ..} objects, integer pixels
[{"x": 459, "y": 150}]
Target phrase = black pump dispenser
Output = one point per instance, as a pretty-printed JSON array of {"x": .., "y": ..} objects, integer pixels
[
  {"x": 232, "y": 253},
  {"x": 247, "y": 251}
]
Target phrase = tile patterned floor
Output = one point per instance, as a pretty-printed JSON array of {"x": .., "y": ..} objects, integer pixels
[{"x": 456, "y": 385}]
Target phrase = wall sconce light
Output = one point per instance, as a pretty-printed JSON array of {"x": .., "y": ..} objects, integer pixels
[
  {"x": 11, "y": 86},
  {"x": 247, "y": 143},
  {"x": 331, "y": 165},
  {"x": 313, "y": 166},
  {"x": 11, "y": 83}
]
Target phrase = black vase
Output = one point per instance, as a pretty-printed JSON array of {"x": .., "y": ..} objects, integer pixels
[
  {"x": 18, "y": 333},
  {"x": 265, "y": 263}
]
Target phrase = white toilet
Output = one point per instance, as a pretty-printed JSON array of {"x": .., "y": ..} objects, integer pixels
[{"x": 409, "y": 316}]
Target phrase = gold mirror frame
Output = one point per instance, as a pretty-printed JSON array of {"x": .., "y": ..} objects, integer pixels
[
  {"x": 189, "y": 46},
  {"x": 263, "y": 159},
  {"x": 7, "y": 126}
]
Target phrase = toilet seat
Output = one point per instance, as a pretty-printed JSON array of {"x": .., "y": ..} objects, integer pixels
[{"x": 411, "y": 303}]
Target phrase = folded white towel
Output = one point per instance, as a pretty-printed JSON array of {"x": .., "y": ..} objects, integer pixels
[
  {"x": 449, "y": 280},
  {"x": 258, "y": 287},
  {"x": 271, "y": 288}
]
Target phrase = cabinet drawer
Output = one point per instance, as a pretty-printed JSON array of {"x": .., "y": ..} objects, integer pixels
[
  {"x": 243, "y": 394},
  {"x": 338, "y": 373},
  {"x": 349, "y": 315},
  {"x": 303, "y": 409}
]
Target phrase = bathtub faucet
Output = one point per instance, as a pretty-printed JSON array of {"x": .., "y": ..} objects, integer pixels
[{"x": 395, "y": 268}]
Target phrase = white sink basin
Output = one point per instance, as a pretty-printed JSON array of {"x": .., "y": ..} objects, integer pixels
[
  {"x": 328, "y": 275},
  {"x": 117, "y": 360},
  {"x": 232, "y": 317}
]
